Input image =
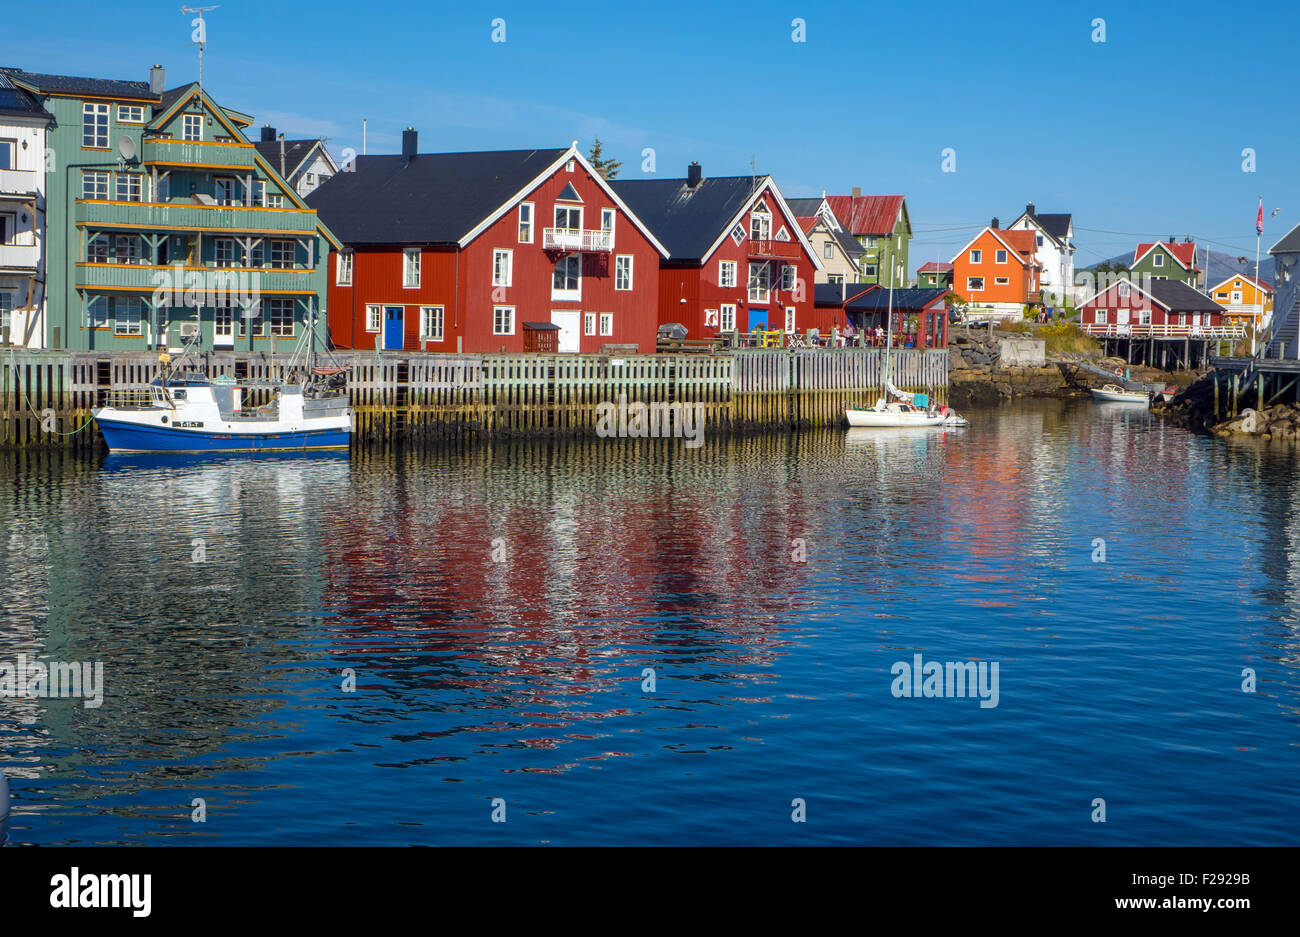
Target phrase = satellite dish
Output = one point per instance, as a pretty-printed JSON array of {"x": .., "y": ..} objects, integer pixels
[{"x": 126, "y": 147}]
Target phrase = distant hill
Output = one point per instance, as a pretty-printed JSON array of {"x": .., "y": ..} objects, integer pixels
[{"x": 1221, "y": 265}]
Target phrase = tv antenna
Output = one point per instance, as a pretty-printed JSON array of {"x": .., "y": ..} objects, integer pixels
[{"x": 200, "y": 34}]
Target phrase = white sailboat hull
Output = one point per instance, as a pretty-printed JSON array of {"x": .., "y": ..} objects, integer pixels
[
  {"x": 1114, "y": 394},
  {"x": 892, "y": 419}
]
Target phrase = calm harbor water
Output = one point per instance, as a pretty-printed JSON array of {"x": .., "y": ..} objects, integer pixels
[{"x": 499, "y": 607}]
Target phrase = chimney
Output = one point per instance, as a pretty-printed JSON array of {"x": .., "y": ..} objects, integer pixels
[
  {"x": 994, "y": 223},
  {"x": 157, "y": 79},
  {"x": 410, "y": 143},
  {"x": 694, "y": 175},
  {"x": 857, "y": 191},
  {"x": 268, "y": 133},
  {"x": 1172, "y": 239},
  {"x": 1029, "y": 208}
]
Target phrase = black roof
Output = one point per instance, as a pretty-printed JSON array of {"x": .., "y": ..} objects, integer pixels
[
  {"x": 1180, "y": 297},
  {"x": 1290, "y": 242},
  {"x": 908, "y": 300},
  {"x": 1057, "y": 224},
  {"x": 835, "y": 294},
  {"x": 685, "y": 220},
  {"x": 435, "y": 198},
  {"x": 170, "y": 97},
  {"x": 17, "y": 102},
  {"x": 295, "y": 151},
  {"x": 67, "y": 84},
  {"x": 804, "y": 207}
]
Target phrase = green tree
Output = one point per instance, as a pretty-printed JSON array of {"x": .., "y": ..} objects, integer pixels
[{"x": 608, "y": 168}]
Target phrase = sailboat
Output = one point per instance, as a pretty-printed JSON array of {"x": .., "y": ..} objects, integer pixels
[
  {"x": 897, "y": 409},
  {"x": 186, "y": 411}
]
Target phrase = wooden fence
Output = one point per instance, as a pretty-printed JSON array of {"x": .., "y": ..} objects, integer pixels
[{"x": 46, "y": 397}]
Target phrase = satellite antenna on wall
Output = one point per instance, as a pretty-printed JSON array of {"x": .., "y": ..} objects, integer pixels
[
  {"x": 200, "y": 34},
  {"x": 126, "y": 148}
]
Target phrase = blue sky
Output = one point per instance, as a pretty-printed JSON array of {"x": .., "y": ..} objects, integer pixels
[{"x": 1140, "y": 135}]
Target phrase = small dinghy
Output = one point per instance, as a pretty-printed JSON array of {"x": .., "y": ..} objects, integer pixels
[{"x": 1113, "y": 393}]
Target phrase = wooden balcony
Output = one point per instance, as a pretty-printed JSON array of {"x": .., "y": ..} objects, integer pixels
[
  {"x": 784, "y": 250},
  {"x": 18, "y": 183},
  {"x": 24, "y": 257},
  {"x": 577, "y": 239},
  {"x": 189, "y": 216},
  {"x": 199, "y": 154},
  {"x": 1139, "y": 330},
  {"x": 148, "y": 277}
]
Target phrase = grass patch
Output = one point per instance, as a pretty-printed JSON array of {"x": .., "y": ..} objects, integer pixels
[{"x": 1066, "y": 336}]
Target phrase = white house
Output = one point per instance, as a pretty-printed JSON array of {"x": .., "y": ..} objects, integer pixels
[
  {"x": 23, "y": 123},
  {"x": 1054, "y": 234},
  {"x": 1285, "y": 341},
  {"x": 304, "y": 164}
]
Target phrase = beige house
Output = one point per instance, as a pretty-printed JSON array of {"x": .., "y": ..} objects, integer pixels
[{"x": 838, "y": 250}]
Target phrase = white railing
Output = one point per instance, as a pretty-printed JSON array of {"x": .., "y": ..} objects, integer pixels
[
  {"x": 23, "y": 256},
  {"x": 1139, "y": 330},
  {"x": 18, "y": 182},
  {"x": 577, "y": 239}
]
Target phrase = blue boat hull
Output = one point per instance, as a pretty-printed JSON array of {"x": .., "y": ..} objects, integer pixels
[{"x": 128, "y": 437}]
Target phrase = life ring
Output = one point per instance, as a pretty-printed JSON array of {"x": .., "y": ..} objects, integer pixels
[{"x": 1119, "y": 372}]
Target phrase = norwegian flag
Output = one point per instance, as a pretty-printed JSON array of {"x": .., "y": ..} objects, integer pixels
[{"x": 1259, "y": 218}]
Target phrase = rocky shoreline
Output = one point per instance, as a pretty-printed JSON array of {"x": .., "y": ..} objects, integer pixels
[
  {"x": 991, "y": 368},
  {"x": 1196, "y": 409}
]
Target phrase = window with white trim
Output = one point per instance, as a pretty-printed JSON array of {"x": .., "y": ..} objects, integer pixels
[
  {"x": 623, "y": 272},
  {"x": 566, "y": 281},
  {"x": 727, "y": 317},
  {"x": 976, "y": 257},
  {"x": 275, "y": 200},
  {"x": 588, "y": 323},
  {"x": 431, "y": 323},
  {"x": 94, "y": 125},
  {"x": 193, "y": 127},
  {"x": 280, "y": 315},
  {"x": 224, "y": 190},
  {"x": 343, "y": 275},
  {"x": 789, "y": 319},
  {"x": 525, "y": 222},
  {"x": 130, "y": 114},
  {"x": 374, "y": 317},
  {"x": 1157, "y": 260},
  {"x": 974, "y": 284},
  {"x": 726, "y": 273},
  {"x": 1000, "y": 257},
  {"x": 224, "y": 252},
  {"x": 502, "y": 267},
  {"x": 760, "y": 224},
  {"x": 607, "y": 323},
  {"x": 6, "y": 310},
  {"x": 828, "y": 251},
  {"x": 503, "y": 320},
  {"x": 760, "y": 282},
  {"x": 607, "y": 220},
  {"x": 283, "y": 254},
  {"x": 788, "y": 276},
  {"x": 97, "y": 249},
  {"x": 1101, "y": 316},
  {"x": 738, "y": 233},
  {"x": 128, "y": 249},
  {"x": 128, "y": 186},
  {"x": 128, "y": 318},
  {"x": 1001, "y": 281},
  {"x": 94, "y": 184},
  {"x": 568, "y": 218},
  {"x": 411, "y": 268}
]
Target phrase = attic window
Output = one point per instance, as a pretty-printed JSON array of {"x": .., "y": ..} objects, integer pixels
[
  {"x": 569, "y": 167},
  {"x": 193, "y": 127},
  {"x": 570, "y": 194},
  {"x": 783, "y": 234},
  {"x": 1158, "y": 260},
  {"x": 738, "y": 234}
]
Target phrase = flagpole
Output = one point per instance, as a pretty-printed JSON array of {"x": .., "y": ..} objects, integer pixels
[{"x": 1259, "y": 293}]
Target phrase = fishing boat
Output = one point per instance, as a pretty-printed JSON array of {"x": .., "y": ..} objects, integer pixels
[
  {"x": 186, "y": 411},
  {"x": 1113, "y": 393},
  {"x": 897, "y": 409}
]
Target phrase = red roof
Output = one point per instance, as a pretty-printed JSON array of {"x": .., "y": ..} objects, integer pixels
[
  {"x": 1261, "y": 282},
  {"x": 935, "y": 266},
  {"x": 808, "y": 223},
  {"x": 1025, "y": 242},
  {"x": 1185, "y": 252},
  {"x": 866, "y": 214}
]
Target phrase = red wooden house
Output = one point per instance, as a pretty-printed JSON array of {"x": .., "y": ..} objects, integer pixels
[
  {"x": 516, "y": 250},
  {"x": 737, "y": 256},
  {"x": 1156, "y": 308}
]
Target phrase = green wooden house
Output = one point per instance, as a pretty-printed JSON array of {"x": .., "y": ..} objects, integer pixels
[
  {"x": 882, "y": 225},
  {"x": 1167, "y": 260},
  {"x": 165, "y": 223},
  {"x": 936, "y": 274}
]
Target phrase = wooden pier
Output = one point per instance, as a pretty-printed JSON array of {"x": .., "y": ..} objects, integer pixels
[{"x": 46, "y": 397}]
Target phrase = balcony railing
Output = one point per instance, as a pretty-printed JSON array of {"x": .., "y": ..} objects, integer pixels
[
  {"x": 19, "y": 256},
  {"x": 191, "y": 153},
  {"x": 783, "y": 249},
  {"x": 187, "y": 216},
  {"x": 149, "y": 278},
  {"x": 18, "y": 182},
  {"x": 577, "y": 239},
  {"x": 1139, "y": 330}
]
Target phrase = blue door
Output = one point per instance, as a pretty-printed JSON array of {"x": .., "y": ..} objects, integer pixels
[{"x": 393, "y": 321}]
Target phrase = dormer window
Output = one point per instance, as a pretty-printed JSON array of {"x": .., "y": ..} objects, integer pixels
[{"x": 760, "y": 224}]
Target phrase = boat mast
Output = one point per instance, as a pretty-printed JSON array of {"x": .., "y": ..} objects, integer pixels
[{"x": 889, "y": 336}]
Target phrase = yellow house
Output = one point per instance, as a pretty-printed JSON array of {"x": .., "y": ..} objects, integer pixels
[{"x": 1243, "y": 298}]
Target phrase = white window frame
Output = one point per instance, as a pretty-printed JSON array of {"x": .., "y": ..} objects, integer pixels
[
  {"x": 133, "y": 321},
  {"x": 1157, "y": 259},
  {"x": 439, "y": 318},
  {"x": 761, "y": 219},
  {"x": 974, "y": 289},
  {"x": 277, "y": 257},
  {"x": 275, "y": 200},
  {"x": 977, "y": 256},
  {"x": 789, "y": 320},
  {"x": 343, "y": 272},
  {"x": 828, "y": 250},
  {"x": 623, "y": 272},
  {"x": 727, "y": 317},
  {"x": 1100, "y": 317},
  {"x": 374, "y": 317},
  {"x": 526, "y": 218},
  {"x": 563, "y": 294},
  {"x": 97, "y": 315},
  {"x": 101, "y": 184},
  {"x": 588, "y": 323},
  {"x": 607, "y": 214},
  {"x": 224, "y": 189},
  {"x": 1002, "y": 281},
  {"x": 497, "y": 311},
  {"x": 127, "y": 113},
  {"x": 276, "y": 317},
  {"x": 228, "y": 246},
  {"x": 727, "y": 274},
  {"x": 408, "y": 269},
  {"x": 567, "y": 208},
  {"x": 789, "y": 276},
  {"x": 503, "y": 267},
  {"x": 607, "y": 324},
  {"x": 7, "y": 300},
  {"x": 134, "y": 184},
  {"x": 759, "y": 287},
  {"x": 188, "y": 121},
  {"x": 94, "y": 132},
  {"x": 738, "y": 233},
  {"x": 999, "y": 257}
]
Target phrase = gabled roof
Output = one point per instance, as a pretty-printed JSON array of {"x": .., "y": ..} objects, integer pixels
[
  {"x": 440, "y": 198},
  {"x": 171, "y": 102},
  {"x": 296, "y": 153},
  {"x": 1055, "y": 224},
  {"x": 16, "y": 102},
  {"x": 1171, "y": 295},
  {"x": 1288, "y": 243},
  {"x": 867, "y": 214},
  {"x": 804, "y": 207},
  {"x": 935, "y": 266},
  {"x": 1261, "y": 282},
  {"x": 1022, "y": 243},
  {"x": 878, "y": 299},
  {"x": 692, "y": 221},
  {"x": 94, "y": 87},
  {"x": 1183, "y": 251}
]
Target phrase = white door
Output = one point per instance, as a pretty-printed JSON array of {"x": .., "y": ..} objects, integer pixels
[
  {"x": 1121, "y": 316},
  {"x": 570, "y": 323}
]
